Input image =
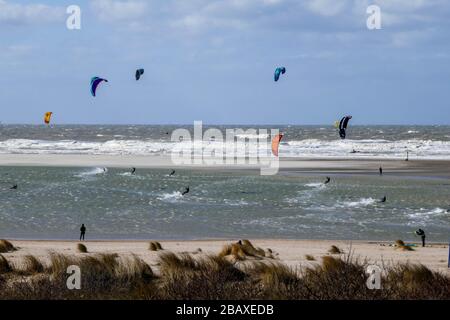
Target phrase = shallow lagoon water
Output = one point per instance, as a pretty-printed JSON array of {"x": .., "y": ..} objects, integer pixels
[{"x": 52, "y": 202}]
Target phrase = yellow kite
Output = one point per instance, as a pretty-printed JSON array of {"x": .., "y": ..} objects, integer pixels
[{"x": 47, "y": 117}]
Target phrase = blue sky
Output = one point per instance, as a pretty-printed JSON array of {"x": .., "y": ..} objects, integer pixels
[{"x": 213, "y": 60}]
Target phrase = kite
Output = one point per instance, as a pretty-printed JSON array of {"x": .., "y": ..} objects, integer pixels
[
  {"x": 95, "y": 81},
  {"x": 278, "y": 72},
  {"x": 275, "y": 144},
  {"x": 47, "y": 117}
]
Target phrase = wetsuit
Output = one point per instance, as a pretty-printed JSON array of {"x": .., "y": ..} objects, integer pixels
[{"x": 82, "y": 232}]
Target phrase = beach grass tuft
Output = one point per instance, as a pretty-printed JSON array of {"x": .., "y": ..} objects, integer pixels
[
  {"x": 155, "y": 246},
  {"x": 5, "y": 266},
  {"x": 309, "y": 257},
  {"x": 81, "y": 248},
  {"x": 243, "y": 250},
  {"x": 6, "y": 246},
  {"x": 334, "y": 250},
  {"x": 32, "y": 265}
]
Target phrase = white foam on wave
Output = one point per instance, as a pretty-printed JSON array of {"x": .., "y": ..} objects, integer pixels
[
  {"x": 315, "y": 185},
  {"x": 306, "y": 148},
  {"x": 363, "y": 202},
  {"x": 171, "y": 197},
  {"x": 423, "y": 213},
  {"x": 92, "y": 172}
]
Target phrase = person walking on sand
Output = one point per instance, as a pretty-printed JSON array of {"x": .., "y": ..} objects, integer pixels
[
  {"x": 421, "y": 233},
  {"x": 82, "y": 231},
  {"x": 381, "y": 171}
]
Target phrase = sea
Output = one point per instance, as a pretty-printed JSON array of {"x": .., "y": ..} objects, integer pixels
[{"x": 52, "y": 202}]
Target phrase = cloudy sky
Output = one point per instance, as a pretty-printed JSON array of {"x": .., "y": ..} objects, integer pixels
[{"x": 213, "y": 60}]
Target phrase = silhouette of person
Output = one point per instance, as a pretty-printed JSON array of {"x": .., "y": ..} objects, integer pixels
[
  {"x": 14, "y": 187},
  {"x": 381, "y": 171},
  {"x": 133, "y": 170},
  {"x": 82, "y": 231},
  {"x": 185, "y": 191},
  {"x": 328, "y": 180},
  {"x": 421, "y": 233},
  {"x": 172, "y": 173},
  {"x": 383, "y": 199}
]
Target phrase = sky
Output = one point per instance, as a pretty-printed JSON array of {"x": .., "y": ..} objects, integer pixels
[{"x": 213, "y": 60}]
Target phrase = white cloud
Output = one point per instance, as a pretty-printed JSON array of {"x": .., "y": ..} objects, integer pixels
[
  {"x": 11, "y": 12},
  {"x": 113, "y": 10}
]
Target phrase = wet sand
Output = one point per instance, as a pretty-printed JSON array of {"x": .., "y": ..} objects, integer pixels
[{"x": 429, "y": 168}]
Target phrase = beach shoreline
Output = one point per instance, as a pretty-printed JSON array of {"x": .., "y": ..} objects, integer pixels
[
  {"x": 290, "y": 252},
  {"x": 429, "y": 168}
]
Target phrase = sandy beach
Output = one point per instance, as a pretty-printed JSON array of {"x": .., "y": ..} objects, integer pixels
[
  {"x": 290, "y": 252},
  {"x": 430, "y": 168}
]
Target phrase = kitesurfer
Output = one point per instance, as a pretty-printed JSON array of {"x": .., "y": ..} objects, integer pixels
[
  {"x": 328, "y": 179},
  {"x": 185, "y": 191},
  {"x": 172, "y": 173},
  {"x": 383, "y": 199},
  {"x": 381, "y": 171},
  {"x": 421, "y": 233},
  {"x": 133, "y": 170},
  {"x": 82, "y": 231},
  {"x": 14, "y": 187}
]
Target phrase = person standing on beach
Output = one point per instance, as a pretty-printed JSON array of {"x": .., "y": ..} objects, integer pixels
[
  {"x": 82, "y": 231},
  {"x": 381, "y": 171},
  {"x": 421, "y": 233}
]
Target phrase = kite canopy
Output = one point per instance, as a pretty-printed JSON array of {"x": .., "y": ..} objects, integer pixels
[
  {"x": 343, "y": 126},
  {"x": 95, "y": 81},
  {"x": 278, "y": 72},
  {"x": 47, "y": 117},
  {"x": 139, "y": 73},
  {"x": 275, "y": 144}
]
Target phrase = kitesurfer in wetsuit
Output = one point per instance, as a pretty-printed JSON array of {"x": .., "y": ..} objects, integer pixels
[
  {"x": 421, "y": 233},
  {"x": 14, "y": 187},
  {"x": 185, "y": 191},
  {"x": 82, "y": 231},
  {"x": 383, "y": 199},
  {"x": 327, "y": 181},
  {"x": 381, "y": 171},
  {"x": 172, "y": 173},
  {"x": 133, "y": 170}
]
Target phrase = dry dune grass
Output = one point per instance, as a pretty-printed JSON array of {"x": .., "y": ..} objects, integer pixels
[
  {"x": 206, "y": 277},
  {"x": 81, "y": 248},
  {"x": 334, "y": 250},
  {"x": 5, "y": 266},
  {"x": 309, "y": 257},
  {"x": 32, "y": 265},
  {"x": 155, "y": 246},
  {"x": 6, "y": 246},
  {"x": 244, "y": 250}
]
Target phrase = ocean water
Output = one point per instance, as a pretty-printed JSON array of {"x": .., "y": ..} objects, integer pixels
[
  {"x": 52, "y": 202},
  {"x": 422, "y": 142}
]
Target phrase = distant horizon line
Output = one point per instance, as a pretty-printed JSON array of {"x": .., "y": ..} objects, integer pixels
[{"x": 215, "y": 124}]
